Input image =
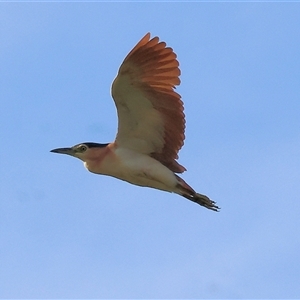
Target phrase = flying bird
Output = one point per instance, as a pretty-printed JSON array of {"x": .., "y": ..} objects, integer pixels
[{"x": 151, "y": 125}]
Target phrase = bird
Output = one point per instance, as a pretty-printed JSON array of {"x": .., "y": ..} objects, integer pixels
[{"x": 151, "y": 125}]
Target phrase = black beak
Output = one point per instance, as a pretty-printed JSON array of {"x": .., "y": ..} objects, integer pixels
[{"x": 68, "y": 151}]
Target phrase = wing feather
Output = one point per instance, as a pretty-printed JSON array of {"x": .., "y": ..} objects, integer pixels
[{"x": 150, "y": 112}]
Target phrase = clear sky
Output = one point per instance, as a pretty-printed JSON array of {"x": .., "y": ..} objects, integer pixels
[{"x": 67, "y": 233}]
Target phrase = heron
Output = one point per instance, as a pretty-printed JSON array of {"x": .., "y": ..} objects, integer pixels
[{"x": 151, "y": 125}]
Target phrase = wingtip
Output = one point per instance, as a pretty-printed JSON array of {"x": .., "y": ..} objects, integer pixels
[{"x": 147, "y": 35}]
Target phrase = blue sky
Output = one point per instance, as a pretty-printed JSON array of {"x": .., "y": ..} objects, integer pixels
[{"x": 67, "y": 233}]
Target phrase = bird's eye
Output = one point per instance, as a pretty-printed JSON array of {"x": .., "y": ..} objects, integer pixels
[{"x": 82, "y": 148}]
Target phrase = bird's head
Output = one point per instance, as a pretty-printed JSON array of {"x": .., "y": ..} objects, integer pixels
[{"x": 83, "y": 151}]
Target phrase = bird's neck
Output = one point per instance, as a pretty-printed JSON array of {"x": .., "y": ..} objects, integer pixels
[{"x": 98, "y": 158}]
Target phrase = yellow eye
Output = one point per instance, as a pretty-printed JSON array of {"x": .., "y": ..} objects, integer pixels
[{"x": 82, "y": 148}]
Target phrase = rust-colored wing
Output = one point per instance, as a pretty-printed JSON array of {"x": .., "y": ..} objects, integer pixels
[{"x": 150, "y": 112}]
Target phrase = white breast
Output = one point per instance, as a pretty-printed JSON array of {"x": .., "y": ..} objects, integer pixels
[{"x": 141, "y": 170}]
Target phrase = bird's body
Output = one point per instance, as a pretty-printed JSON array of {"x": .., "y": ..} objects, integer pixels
[
  {"x": 133, "y": 167},
  {"x": 151, "y": 125}
]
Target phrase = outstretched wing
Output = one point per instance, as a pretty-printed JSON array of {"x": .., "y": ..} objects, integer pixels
[{"x": 150, "y": 112}]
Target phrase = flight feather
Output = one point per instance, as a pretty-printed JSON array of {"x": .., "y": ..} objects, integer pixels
[{"x": 150, "y": 112}]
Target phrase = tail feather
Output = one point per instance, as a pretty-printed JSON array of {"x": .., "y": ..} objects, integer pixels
[{"x": 187, "y": 192}]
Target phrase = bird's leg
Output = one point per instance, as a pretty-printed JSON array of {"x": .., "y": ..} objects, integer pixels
[
  {"x": 187, "y": 192},
  {"x": 202, "y": 200}
]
